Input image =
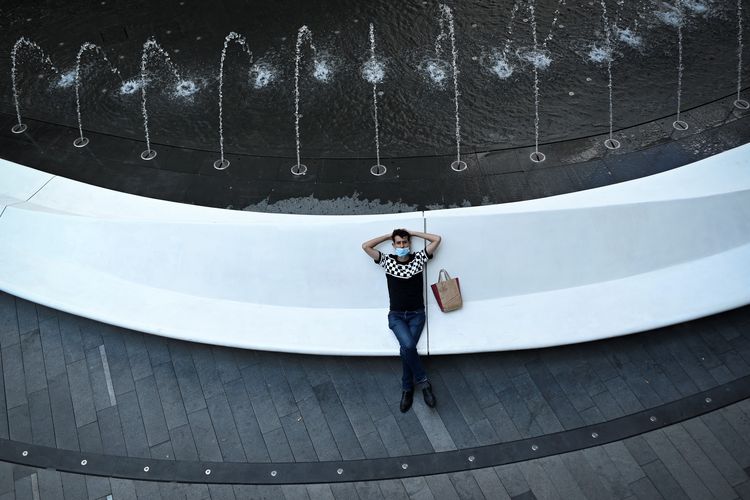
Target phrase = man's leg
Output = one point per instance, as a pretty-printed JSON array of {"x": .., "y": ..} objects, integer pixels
[
  {"x": 416, "y": 325},
  {"x": 400, "y": 328}
]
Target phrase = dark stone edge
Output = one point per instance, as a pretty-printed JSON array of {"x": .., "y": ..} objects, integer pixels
[{"x": 381, "y": 468}]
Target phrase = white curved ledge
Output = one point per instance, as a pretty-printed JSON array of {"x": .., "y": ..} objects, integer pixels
[{"x": 609, "y": 261}]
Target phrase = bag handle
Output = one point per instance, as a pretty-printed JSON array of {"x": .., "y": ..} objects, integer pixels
[{"x": 443, "y": 275}]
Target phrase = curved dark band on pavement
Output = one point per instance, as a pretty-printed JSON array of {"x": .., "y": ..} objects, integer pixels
[{"x": 381, "y": 468}]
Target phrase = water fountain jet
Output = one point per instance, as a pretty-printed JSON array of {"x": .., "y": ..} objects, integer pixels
[
  {"x": 739, "y": 102},
  {"x": 446, "y": 15},
  {"x": 373, "y": 72},
  {"x": 303, "y": 34},
  {"x": 82, "y": 141},
  {"x": 148, "y": 47},
  {"x": 21, "y": 127},
  {"x": 223, "y": 163}
]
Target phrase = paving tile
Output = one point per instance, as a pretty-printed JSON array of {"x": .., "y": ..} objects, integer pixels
[
  {"x": 251, "y": 491},
  {"x": 91, "y": 332},
  {"x": 393, "y": 489},
  {"x": 522, "y": 419},
  {"x": 451, "y": 415},
  {"x": 40, "y": 411},
  {"x": 140, "y": 363},
  {"x": 183, "y": 444},
  {"x": 691, "y": 364},
  {"x": 170, "y": 395},
  {"x": 102, "y": 393},
  {"x": 295, "y": 492},
  {"x": 725, "y": 462},
  {"x": 203, "y": 360},
  {"x": 623, "y": 461},
  {"x": 119, "y": 364},
  {"x": 147, "y": 489},
  {"x": 70, "y": 336},
  {"x": 9, "y": 334},
  {"x": 477, "y": 382},
  {"x": 74, "y": 486},
  {"x": 442, "y": 487},
  {"x": 133, "y": 431},
  {"x": 162, "y": 451},
  {"x": 80, "y": 393},
  {"x": 351, "y": 399},
  {"x": 6, "y": 477},
  {"x": 221, "y": 492},
  {"x": 50, "y": 484},
  {"x": 298, "y": 439},
  {"x": 461, "y": 394},
  {"x": 676, "y": 464},
  {"x": 412, "y": 429},
  {"x": 734, "y": 442},
  {"x": 699, "y": 462},
  {"x": 296, "y": 377},
  {"x": 562, "y": 408},
  {"x": 110, "y": 427},
  {"x": 320, "y": 491},
  {"x": 265, "y": 412},
  {"x": 338, "y": 421},
  {"x": 644, "y": 489},
  {"x": 27, "y": 318},
  {"x": 372, "y": 445},
  {"x": 66, "y": 435},
  {"x": 671, "y": 368},
  {"x": 393, "y": 440},
  {"x": 278, "y": 446},
  {"x": 23, "y": 488},
  {"x": 98, "y": 487},
  {"x": 537, "y": 478},
  {"x": 570, "y": 384},
  {"x": 504, "y": 427},
  {"x": 225, "y": 428},
  {"x": 187, "y": 379},
  {"x": 364, "y": 383},
  {"x": 152, "y": 413},
  {"x": 205, "y": 438},
  {"x": 417, "y": 488},
  {"x": 14, "y": 380},
  {"x": 344, "y": 491},
  {"x": 226, "y": 365},
  {"x": 558, "y": 473},
  {"x": 490, "y": 485},
  {"x": 664, "y": 482},
  {"x": 44, "y": 313},
  {"x": 586, "y": 476},
  {"x": 158, "y": 349},
  {"x": 625, "y": 396},
  {"x": 278, "y": 387},
  {"x": 607, "y": 472},
  {"x": 19, "y": 423},
  {"x": 247, "y": 426},
  {"x": 54, "y": 357},
  {"x": 122, "y": 489},
  {"x": 735, "y": 363}
]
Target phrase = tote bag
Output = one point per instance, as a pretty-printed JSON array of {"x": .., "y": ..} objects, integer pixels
[{"x": 447, "y": 292}]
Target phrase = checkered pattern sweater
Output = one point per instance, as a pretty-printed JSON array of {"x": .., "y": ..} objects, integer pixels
[{"x": 405, "y": 280}]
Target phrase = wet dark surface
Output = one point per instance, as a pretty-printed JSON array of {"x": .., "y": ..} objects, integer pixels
[
  {"x": 341, "y": 186},
  {"x": 416, "y": 114}
]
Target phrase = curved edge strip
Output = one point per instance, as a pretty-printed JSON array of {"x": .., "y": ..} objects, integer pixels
[{"x": 377, "y": 469}]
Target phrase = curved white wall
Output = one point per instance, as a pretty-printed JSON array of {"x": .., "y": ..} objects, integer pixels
[{"x": 609, "y": 261}]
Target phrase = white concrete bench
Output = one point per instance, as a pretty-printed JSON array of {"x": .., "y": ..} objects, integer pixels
[{"x": 593, "y": 264}]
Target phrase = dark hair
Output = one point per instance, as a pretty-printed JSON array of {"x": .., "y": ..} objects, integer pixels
[{"x": 400, "y": 232}]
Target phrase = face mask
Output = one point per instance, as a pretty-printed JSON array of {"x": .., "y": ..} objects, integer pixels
[{"x": 402, "y": 252}]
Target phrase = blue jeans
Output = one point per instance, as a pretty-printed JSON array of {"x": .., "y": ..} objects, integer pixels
[{"x": 407, "y": 327}]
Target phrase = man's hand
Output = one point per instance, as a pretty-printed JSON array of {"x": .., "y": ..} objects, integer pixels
[
  {"x": 369, "y": 245},
  {"x": 434, "y": 240}
]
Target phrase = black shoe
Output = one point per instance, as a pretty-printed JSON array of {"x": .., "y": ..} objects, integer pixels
[
  {"x": 407, "y": 397},
  {"x": 429, "y": 397}
]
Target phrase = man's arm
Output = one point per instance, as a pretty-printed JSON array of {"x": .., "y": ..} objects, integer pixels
[
  {"x": 369, "y": 245},
  {"x": 434, "y": 240}
]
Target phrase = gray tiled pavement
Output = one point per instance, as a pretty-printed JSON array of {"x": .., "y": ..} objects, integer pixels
[{"x": 82, "y": 385}]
